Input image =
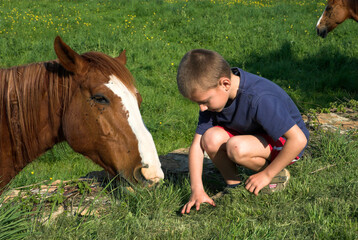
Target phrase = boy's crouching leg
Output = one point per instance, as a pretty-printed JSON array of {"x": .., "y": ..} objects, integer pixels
[
  {"x": 248, "y": 151},
  {"x": 214, "y": 143},
  {"x": 213, "y": 140}
]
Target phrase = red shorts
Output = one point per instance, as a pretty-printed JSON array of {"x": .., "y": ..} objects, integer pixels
[{"x": 275, "y": 146}]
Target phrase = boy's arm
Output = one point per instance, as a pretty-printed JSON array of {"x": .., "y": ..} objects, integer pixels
[
  {"x": 198, "y": 195},
  {"x": 295, "y": 142}
]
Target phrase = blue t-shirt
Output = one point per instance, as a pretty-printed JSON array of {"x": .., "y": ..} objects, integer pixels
[{"x": 260, "y": 107}]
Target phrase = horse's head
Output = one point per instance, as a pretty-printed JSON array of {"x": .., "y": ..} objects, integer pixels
[
  {"x": 102, "y": 120},
  {"x": 335, "y": 13}
]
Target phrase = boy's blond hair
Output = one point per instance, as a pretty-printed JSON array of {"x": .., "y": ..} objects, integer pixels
[{"x": 201, "y": 69}]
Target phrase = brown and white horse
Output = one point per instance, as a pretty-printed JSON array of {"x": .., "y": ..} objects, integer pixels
[
  {"x": 88, "y": 100},
  {"x": 336, "y": 12}
]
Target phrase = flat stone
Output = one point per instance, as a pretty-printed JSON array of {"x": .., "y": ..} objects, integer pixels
[
  {"x": 334, "y": 121},
  {"x": 176, "y": 162}
]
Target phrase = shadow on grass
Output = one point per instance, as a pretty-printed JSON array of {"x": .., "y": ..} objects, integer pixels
[{"x": 312, "y": 81}]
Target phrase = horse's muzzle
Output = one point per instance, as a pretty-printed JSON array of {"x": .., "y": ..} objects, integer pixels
[
  {"x": 141, "y": 176},
  {"x": 322, "y": 32}
]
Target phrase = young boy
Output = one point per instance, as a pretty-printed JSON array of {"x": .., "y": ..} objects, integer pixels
[{"x": 244, "y": 119}]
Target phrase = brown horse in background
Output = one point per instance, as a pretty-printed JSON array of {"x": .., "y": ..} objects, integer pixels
[
  {"x": 336, "y": 12},
  {"x": 88, "y": 100}
]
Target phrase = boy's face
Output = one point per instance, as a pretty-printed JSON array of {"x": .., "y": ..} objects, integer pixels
[{"x": 214, "y": 99}]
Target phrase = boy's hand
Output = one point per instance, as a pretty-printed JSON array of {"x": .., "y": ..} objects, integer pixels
[
  {"x": 257, "y": 181},
  {"x": 196, "y": 199},
  {"x": 295, "y": 142}
]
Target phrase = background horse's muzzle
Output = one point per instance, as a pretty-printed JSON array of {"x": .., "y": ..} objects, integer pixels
[{"x": 322, "y": 32}]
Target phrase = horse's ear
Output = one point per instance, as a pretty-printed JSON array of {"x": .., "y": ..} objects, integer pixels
[
  {"x": 69, "y": 59},
  {"x": 122, "y": 57}
]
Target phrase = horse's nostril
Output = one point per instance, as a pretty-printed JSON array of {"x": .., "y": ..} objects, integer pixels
[
  {"x": 138, "y": 176},
  {"x": 322, "y": 32},
  {"x": 143, "y": 175}
]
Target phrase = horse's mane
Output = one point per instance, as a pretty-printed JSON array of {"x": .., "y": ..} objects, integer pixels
[
  {"x": 353, "y": 4},
  {"x": 22, "y": 89}
]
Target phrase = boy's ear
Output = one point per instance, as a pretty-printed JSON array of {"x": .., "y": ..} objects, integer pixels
[{"x": 225, "y": 83}]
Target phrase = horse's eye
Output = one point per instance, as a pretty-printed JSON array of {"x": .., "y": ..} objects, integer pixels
[{"x": 98, "y": 98}]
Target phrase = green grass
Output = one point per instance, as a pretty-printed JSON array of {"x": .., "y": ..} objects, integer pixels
[
  {"x": 273, "y": 38},
  {"x": 13, "y": 222}
]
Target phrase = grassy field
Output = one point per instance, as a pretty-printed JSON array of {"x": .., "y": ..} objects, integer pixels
[{"x": 273, "y": 38}]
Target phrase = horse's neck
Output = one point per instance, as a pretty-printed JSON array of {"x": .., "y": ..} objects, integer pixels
[
  {"x": 32, "y": 113},
  {"x": 353, "y": 9}
]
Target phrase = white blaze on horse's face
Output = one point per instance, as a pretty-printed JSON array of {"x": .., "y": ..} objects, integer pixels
[
  {"x": 150, "y": 160},
  {"x": 319, "y": 20}
]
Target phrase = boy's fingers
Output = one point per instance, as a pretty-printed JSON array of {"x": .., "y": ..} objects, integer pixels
[
  {"x": 186, "y": 208},
  {"x": 189, "y": 205},
  {"x": 248, "y": 180},
  {"x": 250, "y": 188},
  {"x": 183, "y": 209},
  {"x": 212, "y": 203}
]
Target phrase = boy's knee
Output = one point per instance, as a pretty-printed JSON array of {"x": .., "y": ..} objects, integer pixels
[
  {"x": 236, "y": 150},
  {"x": 212, "y": 140}
]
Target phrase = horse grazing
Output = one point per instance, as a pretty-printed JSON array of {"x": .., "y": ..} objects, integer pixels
[
  {"x": 336, "y": 12},
  {"x": 88, "y": 100}
]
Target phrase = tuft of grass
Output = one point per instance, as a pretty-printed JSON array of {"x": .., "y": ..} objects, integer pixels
[{"x": 14, "y": 221}]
